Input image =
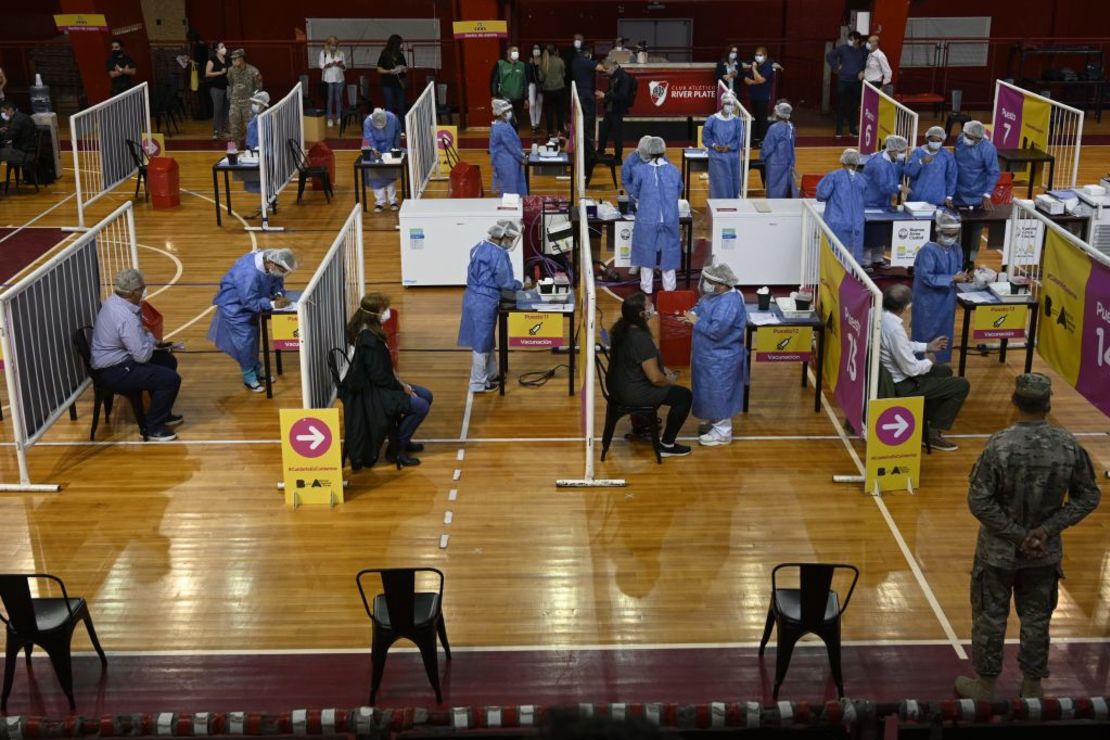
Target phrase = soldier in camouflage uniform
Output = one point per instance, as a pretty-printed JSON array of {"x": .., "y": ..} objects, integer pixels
[
  {"x": 242, "y": 82},
  {"x": 1017, "y": 494}
]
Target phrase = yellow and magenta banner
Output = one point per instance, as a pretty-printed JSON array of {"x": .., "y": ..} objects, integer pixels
[
  {"x": 1074, "y": 329},
  {"x": 845, "y": 309},
  {"x": 878, "y": 120},
  {"x": 1020, "y": 120}
]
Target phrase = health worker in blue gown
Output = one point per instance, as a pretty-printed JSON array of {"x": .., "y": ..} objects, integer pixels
[
  {"x": 252, "y": 180},
  {"x": 506, "y": 153},
  {"x": 718, "y": 358},
  {"x": 931, "y": 170},
  {"x": 723, "y": 136},
  {"x": 381, "y": 132},
  {"x": 633, "y": 162},
  {"x": 490, "y": 271},
  {"x": 255, "y": 283},
  {"x": 937, "y": 269},
  {"x": 656, "y": 186},
  {"x": 777, "y": 153},
  {"x": 884, "y": 172},
  {"x": 842, "y": 191},
  {"x": 976, "y": 178}
]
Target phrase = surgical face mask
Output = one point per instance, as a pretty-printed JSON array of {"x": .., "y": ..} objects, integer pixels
[
  {"x": 578, "y": 43},
  {"x": 649, "y": 313},
  {"x": 256, "y": 107},
  {"x": 727, "y": 110},
  {"x": 760, "y": 59},
  {"x": 870, "y": 46},
  {"x": 946, "y": 240},
  {"x": 618, "y": 47},
  {"x": 5, "y": 116},
  {"x": 537, "y": 52},
  {"x": 385, "y": 316},
  {"x": 934, "y": 145},
  {"x": 514, "y": 55},
  {"x": 507, "y": 115},
  {"x": 221, "y": 49},
  {"x": 145, "y": 294},
  {"x": 732, "y": 56},
  {"x": 971, "y": 142}
]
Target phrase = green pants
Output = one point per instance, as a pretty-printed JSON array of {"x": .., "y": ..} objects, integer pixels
[
  {"x": 944, "y": 395},
  {"x": 1035, "y": 592},
  {"x": 239, "y": 116}
]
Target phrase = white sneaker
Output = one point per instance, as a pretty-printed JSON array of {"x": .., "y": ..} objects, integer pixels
[
  {"x": 712, "y": 440},
  {"x": 331, "y": 123}
]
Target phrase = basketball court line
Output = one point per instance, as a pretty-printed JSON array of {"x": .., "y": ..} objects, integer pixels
[{"x": 36, "y": 218}]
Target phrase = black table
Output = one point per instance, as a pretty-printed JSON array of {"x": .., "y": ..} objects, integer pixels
[
  {"x": 554, "y": 166},
  {"x": 264, "y": 336},
  {"x": 685, "y": 222},
  {"x": 814, "y": 322},
  {"x": 227, "y": 169},
  {"x": 1029, "y": 156},
  {"x": 503, "y": 311},
  {"x": 969, "y": 307},
  {"x": 360, "y": 181}
]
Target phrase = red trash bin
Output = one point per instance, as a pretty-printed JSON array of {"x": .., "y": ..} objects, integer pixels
[
  {"x": 321, "y": 155},
  {"x": 675, "y": 335},
  {"x": 164, "y": 181}
]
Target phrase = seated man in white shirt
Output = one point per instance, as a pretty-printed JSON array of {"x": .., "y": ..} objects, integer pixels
[{"x": 944, "y": 394}]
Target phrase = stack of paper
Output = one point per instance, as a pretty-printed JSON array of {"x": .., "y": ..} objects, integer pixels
[{"x": 919, "y": 209}]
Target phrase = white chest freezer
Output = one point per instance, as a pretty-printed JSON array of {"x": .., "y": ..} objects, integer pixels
[
  {"x": 438, "y": 233},
  {"x": 759, "y": 238}
]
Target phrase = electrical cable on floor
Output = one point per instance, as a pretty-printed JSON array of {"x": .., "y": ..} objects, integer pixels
[{"x": 540, "y": 377}]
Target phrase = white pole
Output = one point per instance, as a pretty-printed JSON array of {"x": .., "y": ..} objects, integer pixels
[
  {"x": 132, "y": 240},
  {"x": 77, "y": 174},
  {"x": 360, "y": 247}
]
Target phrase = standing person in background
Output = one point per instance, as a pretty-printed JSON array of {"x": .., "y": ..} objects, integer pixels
[
  {"x": 554, "y": 91},
  {"x": 877, "y": 69},
  {"x": 656, "y": 186},
  {"x": 508, "y": 81},
  {"x": 583, "y": 72},
  {"x": 1017, "y": 492},
  {"x": 506, "y": 154},
  {"x": 617, "y": 99},
  {"x": 392, "y": 66},
  {"x": 847, "y": 62},
  {"x": 215, "y": 73},
  {"x": 723, "y": 136},
  {"x": 842, "y": 192},
  {"x": 568, "y": 54},
  {"x": 535, "y": 78},
  {"x": 777, "y": 153},
  {"x": 728, "y": 68},
  {"x": 976, "y": 177},
  {"x": 242, "y": 81},
  {"x": 932, "y": 171},
  {"x": 759, "y": 76},
  {"x": 332, "y": 64},
  {"x": 121, "y": 68},
  {"x": 937, "y": 269}
]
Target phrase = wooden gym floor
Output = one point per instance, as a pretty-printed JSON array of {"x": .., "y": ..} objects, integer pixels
[{"x": 189, "y": 547}]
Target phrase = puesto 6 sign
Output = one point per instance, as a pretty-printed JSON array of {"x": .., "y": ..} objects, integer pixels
[{"x": 679, "y": 91}]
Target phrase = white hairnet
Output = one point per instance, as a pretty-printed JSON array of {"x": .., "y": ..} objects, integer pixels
[
  {"x": 501, "y": 106},
  {"x": 850, "y": 156},
  {"x": 657, "y": 147},
  {"x": 644, "y": 148},
  {"x": 504, "y": 228},
  {"x": 129, "y": 281},
  {"x": 721, "y": 274},
  {"x": 261, "y": 97},
  {"x": 783, "y": 110},
  {"x": 378, "y": 118},
  {"x": 284, "y": 258},
  {"x": 946, "y": 220},
  {"x": 975, "y": 129},
  {"x": 936, "y": 131},
  {"x": 896, "y": 143}
]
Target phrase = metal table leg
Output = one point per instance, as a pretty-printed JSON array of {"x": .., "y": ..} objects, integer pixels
[
  {"x": 819, "y": 369},
  {"x": 502, "y": 349},
  {"x": 216, "y": 194},
  {"x": 964, "y": 338},
  {"x": 1031, "y": 340},
  {"x": 263, "y": 320}
]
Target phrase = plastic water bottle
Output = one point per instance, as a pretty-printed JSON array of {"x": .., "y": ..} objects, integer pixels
[
  {"x": 40, "y": 96},
  {"x": 535, "y": 149}
]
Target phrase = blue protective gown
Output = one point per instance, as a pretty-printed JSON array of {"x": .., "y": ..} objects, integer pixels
[
  {"x": 777, "y": 152},
  {"x": 244, "y": 292},
  {"x": 252, "y": 180},
  {"x": 506, "y": 157},
  {"x": 724, "y": 167},
  {"x": 628, "y": 169},
  {"x": 934, "y": 294},
  {"x": 656, "y": 186},
  {"x": 490, "y": 271},
  {"x": 976, "y": 172},
  {"x": 718, "y": 357},
  {"x": 382, "y": 140},
  {"x": 884, "y": 178},
  {"x": 842, "y": 193},
  {"x": 933, "y": 182}
]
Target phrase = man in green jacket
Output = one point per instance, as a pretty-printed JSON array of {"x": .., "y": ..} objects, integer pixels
[{"x": 508, "y": 80}]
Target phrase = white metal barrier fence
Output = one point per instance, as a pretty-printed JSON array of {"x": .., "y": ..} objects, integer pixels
[
  {"x": 420, "y": 133},
  {"x": 280, "y": 147},
  {"x": 329, "y": 300},
  {"x": 39, "y": 317},
  {"x": 102, "y": 137},
  {"x": 891, "y": 118},
  {"x": 1063, "y": 139},
  {"x": 746, "y": 120}
]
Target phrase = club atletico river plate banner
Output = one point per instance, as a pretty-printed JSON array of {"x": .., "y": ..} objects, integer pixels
[{"x": 675, "y": 92}]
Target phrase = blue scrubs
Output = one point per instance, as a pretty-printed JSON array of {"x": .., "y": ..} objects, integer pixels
[
  {"x": 934, "y": 294},
  {"x": 932, "y": 182},
  {"x": 777, "y": 153},
  {"x": 628, "y": 169},
  {"x": 718, "y": 357},
  {"x": 976, "y": 172},
  {"x": 252, "y": 180},
  {"x": 382, "y": 140},
  {"x": 490, "y": 271},
  {"x": 657, "y": 186},
  {"x": 884, "y": 178},
  {"x": 244, "y": 292},
  {"x": 842, "y": 193},
  {"x": 724, "y": 167},
  {"x": 506, "y": 157}
]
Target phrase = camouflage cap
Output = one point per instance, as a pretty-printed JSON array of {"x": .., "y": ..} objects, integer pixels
[
  {"x": 1033, "y": 386},
  {"x": 238, "y": 53}
]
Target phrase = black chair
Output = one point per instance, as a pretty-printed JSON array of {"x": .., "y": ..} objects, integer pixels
[
  {"x": 29, "y": 165},
  {"x": 306, "y": 171},
  {"x": 404, "y": 612},
  {"x": 952, "y": 119},
  {"x": 140, "y": 160},
  {"x": 614, "y": 410},
  {"x": 82, "y": 340},
  {"x": 44, "y": 621},
  {"x": 337, "y": 377},
  {"x": 351, "y": 111},
  {"x": 605, "y": 160},
  {"x": 812, "y": 608}
]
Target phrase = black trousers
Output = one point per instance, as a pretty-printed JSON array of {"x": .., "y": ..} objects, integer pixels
[
  {"x": 944, "y": 395},
  {"x": 760, "y": 110},
  {"x": 679, "y": 399},
  {"x": 589, "y": 118},
  {"x": 554, "y": 110},
  {"x": 158, "y": 376},
  {"x": 612, "y": 125},
  {"x": 847, "y": 105}
]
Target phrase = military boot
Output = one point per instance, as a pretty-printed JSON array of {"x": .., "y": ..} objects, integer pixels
[
  {"x": 980, "y": 689},
  {"x": 1031, "y": 688}
]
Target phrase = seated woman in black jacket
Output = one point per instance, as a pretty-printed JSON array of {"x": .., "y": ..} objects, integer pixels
[
  {"x": 381, "y": 394},
  {"x": 636, "y": 375}
]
